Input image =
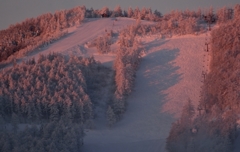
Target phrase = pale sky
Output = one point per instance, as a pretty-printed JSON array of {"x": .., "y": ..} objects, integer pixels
[{"x": 13, "y": 11}]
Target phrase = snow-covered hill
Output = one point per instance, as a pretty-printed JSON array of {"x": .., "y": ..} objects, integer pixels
[
  {"x": 169, "y": 75},
  {"x": 75, "y": 42}
]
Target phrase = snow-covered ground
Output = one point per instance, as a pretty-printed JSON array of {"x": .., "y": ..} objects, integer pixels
[
  {"x": 75, "y": 42},
  {"x": 169, "y": 75}
]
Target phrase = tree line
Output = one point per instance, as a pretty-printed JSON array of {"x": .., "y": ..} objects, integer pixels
[
  {"x": 21, "y": 38},
  {"x": 144, "y": 13},
  {"x": 128, "y": 57}
]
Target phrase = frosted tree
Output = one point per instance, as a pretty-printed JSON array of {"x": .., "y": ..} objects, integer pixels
[
  {"x": 187, "y": 114},
  {"x": 180, "y": 133},
  {"x": 82, "y": 13},
  {"x": 15, "y": 122},
  {"x": 120, "y": 76},
  {"x": 125, "y": 65},
  {"x": 79, "y": 14},
  {"x": 130, "y": 12},
  {"x": 136, "y": 13},
  {"x": 2, "y": 122},
  {"x": 30, "y": 111},
  {"x": 103, "y": 44},
  {"x": 105, "y": 10},
  {"x": 117, "y": 11},
  {"x": 111, "y": 117},
  {"x": 119, "y": 105},
  {"x": 237, "y": 11},
  {"x": 143, "y": 13},
  {"x": 6, "y": 143},
  {"x": 54, "y": 113},
  {"x": 172, "y": 24},
  {"x": 222, "y": 15},
  {"x": 150, "y": 16},
  {"x": 199, "y": 13},
  {"x": 191, "y": 25},
  {"x": 129, "y": 78}
]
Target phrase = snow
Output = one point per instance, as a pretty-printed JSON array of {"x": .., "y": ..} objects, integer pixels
[
  {"x": 169, "y": 75},
  {"x": 75, "y": 42}
]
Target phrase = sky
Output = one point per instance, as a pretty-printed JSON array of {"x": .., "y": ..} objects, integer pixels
[{"x": 15, "y": 11}]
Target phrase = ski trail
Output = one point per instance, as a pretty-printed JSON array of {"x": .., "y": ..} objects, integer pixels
[
  {"x": 74, "y": 42},
  {"x": 168, "y": 76},
  {"x": 141, "y": 129}
]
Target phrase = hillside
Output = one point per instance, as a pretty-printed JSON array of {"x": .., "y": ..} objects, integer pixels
[
  {"x": 179, "y": 53},
  {"x": 111, "y": 80},
  {"x": 74, "y": 43},
  {"x": 169, "y": 75}
]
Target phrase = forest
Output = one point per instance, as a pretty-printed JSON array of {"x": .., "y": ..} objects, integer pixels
[{"x": 54, "y": 91}]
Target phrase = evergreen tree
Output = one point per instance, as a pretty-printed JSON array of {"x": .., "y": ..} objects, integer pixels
[
  {"x": 130, "y": 12},
  {"x": 237, "y": 11},
  {"x": 222, "y": 15},
  {"x": 117, "y": 12},
  {"x": 157, "y": 13},
  {"x": 187, "y": 114},
  {"x": 105, "y": 10},
  {"x": 54, "y": 113},
  {"x": 111, "y": 117},
  {"x": 2, "y": 123},
  {"x": 15, "y": 122}
]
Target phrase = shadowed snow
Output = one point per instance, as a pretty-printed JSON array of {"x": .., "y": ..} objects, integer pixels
[{"x": 168, "y": 76}]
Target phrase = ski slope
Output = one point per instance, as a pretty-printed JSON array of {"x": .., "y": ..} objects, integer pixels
[
  {"x": 169, "y": 75},
  {"x": 75, "y": 42}
]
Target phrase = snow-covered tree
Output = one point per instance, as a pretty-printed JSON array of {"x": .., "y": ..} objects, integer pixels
[
  {"x": 130, "y": 12},
  {"x": 105, "y": 10},
  {"x": 117, "y": 12},
  {"x": 188, "y": 113},
  {"x": 103, "y": 44},
  {"x": 237, "y": 11},
  {"x": 222, "y": 15},
  {"x": 111, "y": 117},
  {"x": 15, "y": 122},
  {"x": 136, "y": 13}
]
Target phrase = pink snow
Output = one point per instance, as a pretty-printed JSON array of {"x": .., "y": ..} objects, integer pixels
[{"x": 169, "y": 75}]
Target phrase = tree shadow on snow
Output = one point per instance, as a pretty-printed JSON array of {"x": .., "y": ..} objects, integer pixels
[
  {"x": 161, "y": 70},
  {"x": 161, "y": 73},
  {"x": 145, "y": 127},
  {"x": 155, "y": 43}
]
